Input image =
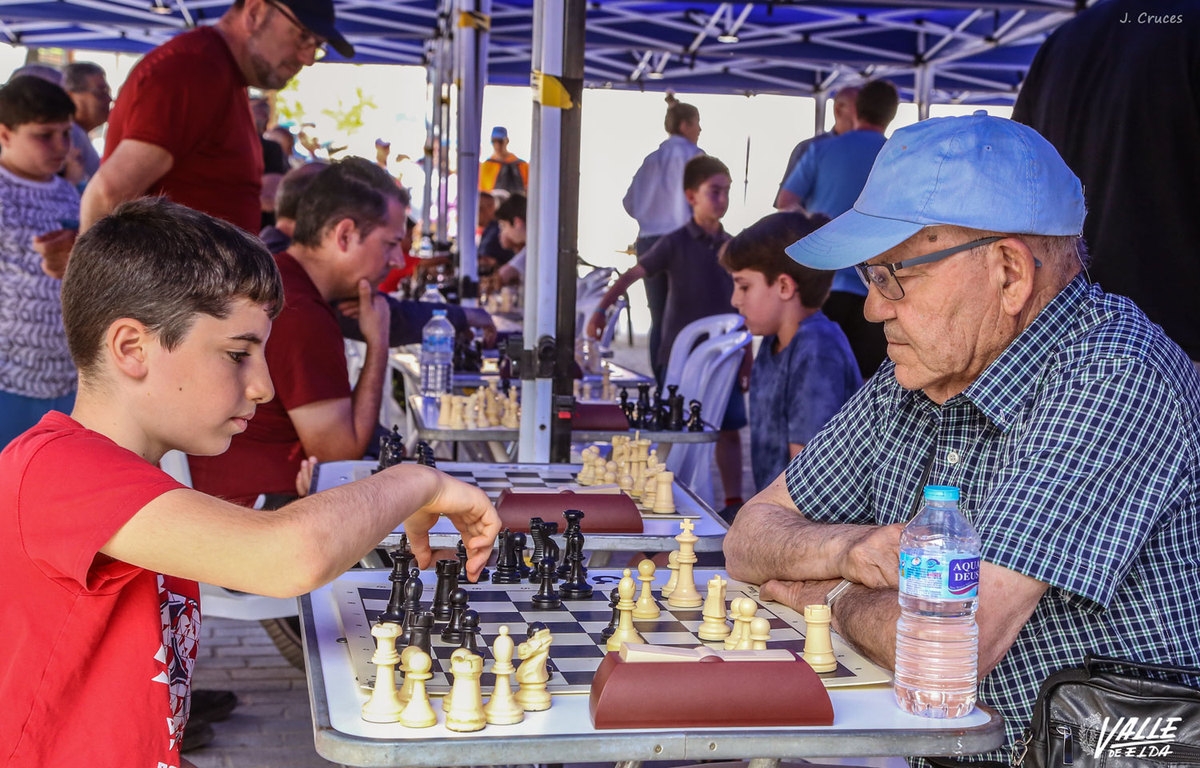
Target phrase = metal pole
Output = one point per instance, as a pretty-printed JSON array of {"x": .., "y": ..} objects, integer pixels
[{"x": 474, "y": 20}]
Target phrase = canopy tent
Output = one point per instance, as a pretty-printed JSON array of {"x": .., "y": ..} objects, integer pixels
[{"x": 934, "y": 50}]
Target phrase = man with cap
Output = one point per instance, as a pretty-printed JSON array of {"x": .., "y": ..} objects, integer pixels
[
  {"x": 503, "y": 170},
  {"x": 1069, "y": 422},
  {"x": 182, "y": 125}
]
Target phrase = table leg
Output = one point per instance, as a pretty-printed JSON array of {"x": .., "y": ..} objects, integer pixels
[
  {"x": 763, "y": 762},
  {"x": 628, "y": 764}
]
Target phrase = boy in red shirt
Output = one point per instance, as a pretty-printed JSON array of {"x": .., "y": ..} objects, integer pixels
[{"x": 166, "y": 311}]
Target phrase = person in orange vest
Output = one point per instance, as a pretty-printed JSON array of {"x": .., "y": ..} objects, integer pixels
[{"x": 503, "y": 170}]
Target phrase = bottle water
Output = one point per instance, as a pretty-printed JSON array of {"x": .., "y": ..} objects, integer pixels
[
  {"x": 437, "y": 355},
  {"x": 432, "y": 295},
  {"x": 937, "y": 640}
]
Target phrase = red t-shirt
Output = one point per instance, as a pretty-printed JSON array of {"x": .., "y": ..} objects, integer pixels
[
  {"x": 189, "y": 97},
  {"x": 307, "y": 360},
  {"x": 97, "y": 655}
]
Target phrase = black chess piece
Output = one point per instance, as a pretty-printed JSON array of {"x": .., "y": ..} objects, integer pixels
[
  {"x": 391, "y": 449},
  {"x": 518, "y": 546},
  {"x": 628, "y": 409},
  {"x": 552, "y": 550},
  {"x": 650, "y": 417},
  {"x": 576, "y": 586},
  {"x": 536, "y": 533},
  {"x": 412, "y": 606},
  {"x": 675, "y": 420},
  {"x": 425, "y": 454},
  {"x": 422, "y": 630},
  {"x": 547, "y": 596},
  {"x": 623, "y": 398},
  {"x": 458, "y": 605},
  {"x": 447, "y": 582},
  {"x": 695, "y": 423},
  {"x": 573, "y": 517},
  {"x": 613, "y": 598},
  {"x": 394, "y": 613},
  {"x": 471, "y": 633},
  {"x": 643, "y": 400},
  {"x": 460, "y": 551},
  {"x": 506, "y": 561}
]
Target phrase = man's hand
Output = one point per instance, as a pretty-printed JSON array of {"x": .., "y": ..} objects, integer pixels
[
  {"x": 305, "y": 475},
  {"x": 596, "y": 323},
  {"x": 471, "y": 512},
  {"x": 55, "y": 248},
  {"x": 374, "y": 315},
  {"x": 796, "y": 594},
  {"x": 873, "y": 558}
]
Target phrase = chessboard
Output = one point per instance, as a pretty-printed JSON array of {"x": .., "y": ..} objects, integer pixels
[
  {"x": 492, "y": 479},
  {"x": 578, "y": 647}
]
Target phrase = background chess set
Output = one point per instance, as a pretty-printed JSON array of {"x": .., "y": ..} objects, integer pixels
[{"x": 578, "y": 648}]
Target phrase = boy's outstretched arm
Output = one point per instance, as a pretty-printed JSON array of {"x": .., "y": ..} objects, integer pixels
[
  {"x": 291, "y": 551},
  {"x": 595, "y": 326}
]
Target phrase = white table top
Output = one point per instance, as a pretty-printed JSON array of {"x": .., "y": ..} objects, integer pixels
[{"x": 867, "y": 722}]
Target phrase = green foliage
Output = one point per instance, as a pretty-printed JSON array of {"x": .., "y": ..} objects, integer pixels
[{"x": 349, "y": 120}]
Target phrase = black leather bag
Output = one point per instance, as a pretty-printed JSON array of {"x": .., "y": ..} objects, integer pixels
[{"x": 1092, "y": 717}]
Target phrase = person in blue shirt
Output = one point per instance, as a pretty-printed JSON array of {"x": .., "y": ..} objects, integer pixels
[
  {"x": 804, "y": 370},
  {"x": 1068, "y": 420}
]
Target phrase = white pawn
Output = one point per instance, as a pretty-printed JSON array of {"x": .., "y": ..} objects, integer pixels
[
  {"x": 760, "y": 633},
  {"x": 384, "y": 706},
  {"x": 502, "y": 708},
  {"x": 418, "y": 713},
  {"x": 445, "y": 405},
  {"x": 741, "y": 622},
  {"x": 466, "y": 711},
  {"x": 646, "y": 608}
]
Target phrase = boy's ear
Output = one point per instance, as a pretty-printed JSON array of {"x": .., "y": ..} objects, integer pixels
[
  {"x": 786, "y": 286},
  {"x": 127, "y": 343}
]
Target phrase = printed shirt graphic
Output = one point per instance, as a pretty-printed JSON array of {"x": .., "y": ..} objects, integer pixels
[{"x": 97, "y": 653}]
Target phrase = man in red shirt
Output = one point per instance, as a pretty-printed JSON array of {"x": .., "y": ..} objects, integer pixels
[{"x": 182, "y": 126}]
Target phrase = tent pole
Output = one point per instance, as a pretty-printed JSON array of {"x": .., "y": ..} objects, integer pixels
[{"x": 474, "y": 17}]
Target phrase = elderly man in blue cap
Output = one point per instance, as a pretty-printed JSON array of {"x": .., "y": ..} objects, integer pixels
[{"x": 1069, "y": 422}]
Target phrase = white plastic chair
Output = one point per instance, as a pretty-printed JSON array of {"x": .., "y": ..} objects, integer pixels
[
  {"x": 613, "y": 316},
  {"x": 708, "y": 376},
  {"x": 589, "y": 290},
  {"x": 690, "y": 334}
]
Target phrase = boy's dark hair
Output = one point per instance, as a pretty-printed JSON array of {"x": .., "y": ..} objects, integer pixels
[
  {"x": 678, "y": 113},
  {"x": 352, "y": 188},
  {"x": 29, "y": 99},
  {"x": 877, "y": 102},
  {"x": 700, "y": 169},
  {"x": 761, "y": 245},
  {"x": 161, "y": 264},
  {"x": 77, "y": 73},
  {"x": 512, "y": 209}
]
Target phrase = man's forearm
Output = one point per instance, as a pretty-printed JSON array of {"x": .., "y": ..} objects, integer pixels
[
  {"x": 770, "y": 542},
  {"x": 866, "y": 618},
  {"x": 368, "y": 395}
]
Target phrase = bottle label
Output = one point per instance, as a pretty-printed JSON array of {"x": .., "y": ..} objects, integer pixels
[{"x": 943, "y": 576}]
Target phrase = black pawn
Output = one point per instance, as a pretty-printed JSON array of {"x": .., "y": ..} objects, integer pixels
[
  {"x": 471, "y": 632},
  {"x": 422, "y": 630},
  {"x": 425, "y": 454},
  {"x": 577, "y": 586},
  {"x": 447, "y": 582},
  {"x": 695, "y": 423},
  {"x": 458, "y": 605},
  {"x": 394, "y": 614},
  {"x": 613, "y": 598},
  {"x": 547, "y": 596},
  {"x": 460, "y": 551},
  {"x": 518, "y": 546}
]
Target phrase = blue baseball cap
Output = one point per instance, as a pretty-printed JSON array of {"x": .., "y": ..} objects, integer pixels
[
  {"x": 979, "y": 172},
  {"x": 499, "y": 132}
]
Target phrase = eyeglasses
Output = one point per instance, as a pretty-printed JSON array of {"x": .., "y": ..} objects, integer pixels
[
  {"x": 883, "y": 276},
  {"x": 307, "y": 38}
]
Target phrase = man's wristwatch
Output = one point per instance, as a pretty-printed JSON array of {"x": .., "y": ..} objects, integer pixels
[{"x": 837, "y": 591}]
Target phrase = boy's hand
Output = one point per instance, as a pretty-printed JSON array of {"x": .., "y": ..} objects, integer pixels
[
  {"x": 55, "y": 248},
  {"x": 468, "y": 508},
  {"x": 305, "y": 475},
  {"x": 374, "y": 314}
]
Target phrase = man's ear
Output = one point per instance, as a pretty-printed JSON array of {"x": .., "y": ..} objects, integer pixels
[
  {"x": 127, "y": 343},
  {"x": 1016, "y": 267},
  {"x": 344, "y": 233}
]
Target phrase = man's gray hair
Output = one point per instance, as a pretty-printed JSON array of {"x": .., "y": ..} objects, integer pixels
[{"x": 76, "y": 74}]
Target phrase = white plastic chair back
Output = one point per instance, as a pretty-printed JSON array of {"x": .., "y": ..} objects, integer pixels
[
  {"x": 681, "y": 349},
  {"x": 708, "y": 376},
  {"x": 175, "y": 464},
  {"x": 589, "y": 290},
  {"x": 610, "y": 325}
]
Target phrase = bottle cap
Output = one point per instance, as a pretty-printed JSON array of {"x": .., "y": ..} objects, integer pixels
[
  {"x": 941, "y": 493},
  {"x": 442, "y": 313}
]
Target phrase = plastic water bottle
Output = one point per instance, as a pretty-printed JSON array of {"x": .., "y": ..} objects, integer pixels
[
  {"x": 432, "y": 295},
  {"x": 437, "y": 355},
  {"x": 937, "y": 640}
]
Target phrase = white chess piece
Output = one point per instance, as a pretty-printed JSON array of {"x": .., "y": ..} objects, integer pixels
[
  {"x": 818, "y": 642},
  {"x": 466, "y": 710},
  {"x": 760, "y": 633},
  {"x": 684, "y": 595},
  {"x": 646, "y": 607},
  {"x": 532, "y": 674},
  {"x": 664, "y": 493},
  {"x": 714, "y": 626},
  {"x": 673, "y": 578},
  {"x": 418, "y": 712},
  {"x": 625, "y": 631},
  {"x": 384, "y": 706},
  {"x": 502, "y": 708}
]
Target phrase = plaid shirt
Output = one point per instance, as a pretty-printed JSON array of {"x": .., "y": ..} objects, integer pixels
[{"x": 1076, "y": 452}]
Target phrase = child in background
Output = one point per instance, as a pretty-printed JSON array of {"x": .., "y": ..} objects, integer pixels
[
  {"x": 697, "y": 287},
  {"x": 167, "y": 311},
  {"x": 40, "y": 212},
  {"x": 804, "y": 370}
]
